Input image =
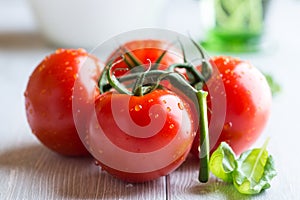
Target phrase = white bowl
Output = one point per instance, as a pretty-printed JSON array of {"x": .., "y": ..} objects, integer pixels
[{"x": 86, "y": 23}]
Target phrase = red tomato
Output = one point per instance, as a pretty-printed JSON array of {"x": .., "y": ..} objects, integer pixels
[
  {"x": 140, "y": 138},
  {"x": 48, "y": 99},
  {"x": 247, "y": 106},
  {"x": 145, "y": 50}
]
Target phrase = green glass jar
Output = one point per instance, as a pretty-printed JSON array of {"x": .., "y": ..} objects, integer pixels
[{"x": 233, "y": 25}]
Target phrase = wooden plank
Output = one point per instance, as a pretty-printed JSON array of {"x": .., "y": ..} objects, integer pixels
[{"x": 33, "y": 172}]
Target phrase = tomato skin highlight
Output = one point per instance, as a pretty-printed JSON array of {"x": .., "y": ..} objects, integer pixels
[
  {"x": 248, "y": 104},
  {"x": 48, "y": 100},
  {"x": 147, "y": 136}
]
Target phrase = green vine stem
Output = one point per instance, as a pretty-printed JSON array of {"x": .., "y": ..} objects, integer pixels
[
  {"x": 204, "y": 138},
  {"x": 138, "y": 86},
  {"x": 135, "y": 60},
  {"x": 206, "y": 66},
  {"x": 191, "y": 70},
  {"x": 114, "y": 82}
]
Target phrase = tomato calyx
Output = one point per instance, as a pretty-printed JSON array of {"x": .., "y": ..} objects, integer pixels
[{"x": 132, "y": 61}]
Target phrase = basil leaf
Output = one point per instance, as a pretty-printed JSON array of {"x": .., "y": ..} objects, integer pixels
[
  {"x": 255, "y": 169},
  {"x": 222, "y": 162},
  {"x": 250, "y": 173},
  {"x": 274, "y": 85}
]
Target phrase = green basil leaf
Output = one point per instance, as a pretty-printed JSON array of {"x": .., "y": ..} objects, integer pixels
[
  {"x": 222, "y": 162},
  {"x": 255, "y": 169},
  {"x": 274, "y": 85}
]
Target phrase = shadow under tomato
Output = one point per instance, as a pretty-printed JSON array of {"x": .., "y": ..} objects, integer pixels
[{"x": 220, "y": 189}]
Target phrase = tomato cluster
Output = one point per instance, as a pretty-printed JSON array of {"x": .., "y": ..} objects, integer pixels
[{"x": 137, "y": 126}]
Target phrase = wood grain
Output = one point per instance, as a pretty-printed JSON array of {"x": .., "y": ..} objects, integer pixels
[{"x": 33, "y": 172}]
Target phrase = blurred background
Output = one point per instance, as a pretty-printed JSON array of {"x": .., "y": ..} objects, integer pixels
[{"x": 76, "y": 23}]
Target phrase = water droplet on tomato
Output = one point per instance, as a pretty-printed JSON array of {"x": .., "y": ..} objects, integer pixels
[
  {"x": 67, "y": 63},
  {"x": 156, "y": 116},
  {"x": 129, "y": 185},
  {"x": 96, "y": 162},
  {"x": 150, "y": 100},
  {"x": 91, "y": 150},
  {"x": 227, "y": 126},
  {"x": 259, "y": 108},
  {"x": 249, "y": 138},
  {"x": 41, "y": 68},
  {"x": 87, "y": 136},
  {"x": 180, "y": 106},
  {"x": 27, "y": 105},
  {"x": 227, "y": 71},
  {"x": 168, "y": 109},
  {"x": 171, "y": 126},
  {"x": 43, "y": 91},
  {"x": 58, "y": 51},
  {"x": 138, "y": 107},
  {"x": 216, "y": 88},
  {"x": 194, "y": 133},
  {"x": 100, "y": 151}
]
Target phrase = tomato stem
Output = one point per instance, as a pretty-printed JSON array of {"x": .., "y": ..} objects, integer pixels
[
  {"x": 206, "y": 66},
  {"x": 204, "y": 137},
  {"x": 197, "y": 76},
  {"x": 138, "y": 86},
  {"x": 133, "y": 58},
  {"x": 159, "y": 59},
  {"x": 114, "y": 82},
  {"x": 182, "y": 50}
]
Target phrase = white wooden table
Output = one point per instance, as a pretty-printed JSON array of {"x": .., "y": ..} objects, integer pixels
[{"x": 30, "y": 171}]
